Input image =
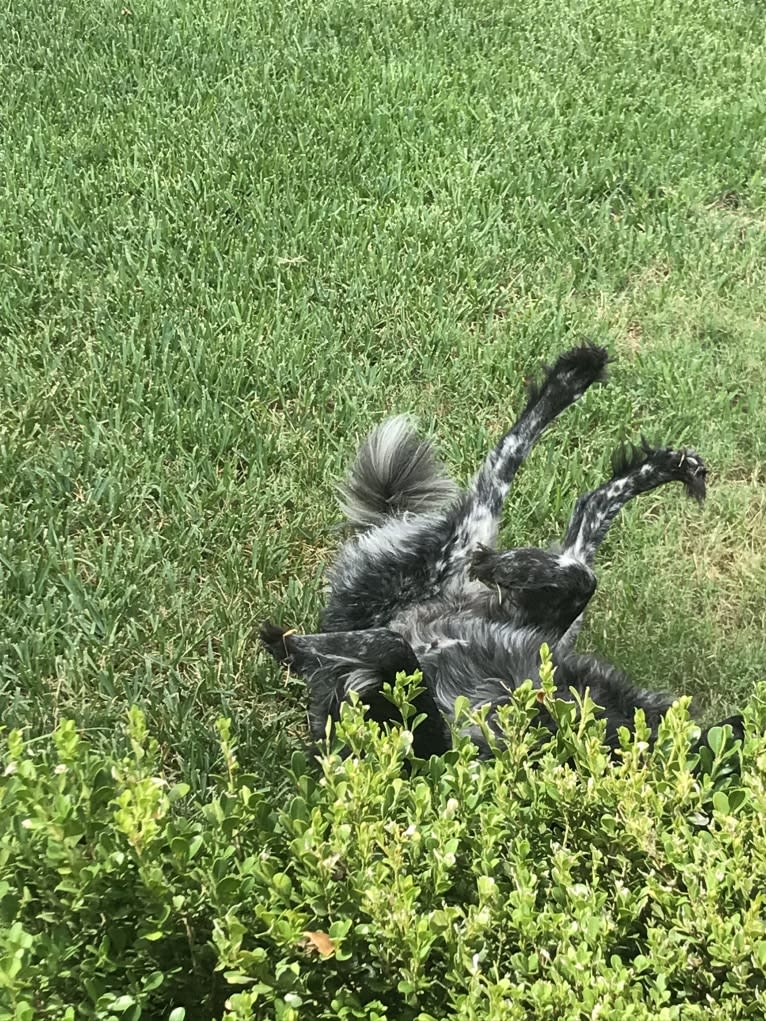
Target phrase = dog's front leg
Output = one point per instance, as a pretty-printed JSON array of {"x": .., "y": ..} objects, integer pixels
[
  {"x": 543, "y": 589},
  {"x": 478, "y": 514},
  {"x": 335, "y": 663}
]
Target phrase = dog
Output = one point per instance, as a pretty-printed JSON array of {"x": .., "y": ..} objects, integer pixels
[{"x": 421, "y": 586}]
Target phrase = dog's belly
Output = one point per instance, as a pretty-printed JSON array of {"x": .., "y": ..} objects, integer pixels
[{"x": 465, "y": 655}]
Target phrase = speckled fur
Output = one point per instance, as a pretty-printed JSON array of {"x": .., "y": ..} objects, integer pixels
[{"x": 421, "y": 586}]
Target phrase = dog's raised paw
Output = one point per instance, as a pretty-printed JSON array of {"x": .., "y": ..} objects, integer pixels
[
  {"x": 273, "y": 639},
  {"x": 661, "y": 465},
  {"x": 572, "y": 373},
  {"x": 481, "y": 563},
  {"x": 696, "y": 472},
  {"x": 690, "y": 469},
  {"x": 587, "y": 363}
]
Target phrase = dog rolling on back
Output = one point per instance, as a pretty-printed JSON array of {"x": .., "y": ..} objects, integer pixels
[{"x": 421, "y": 585}]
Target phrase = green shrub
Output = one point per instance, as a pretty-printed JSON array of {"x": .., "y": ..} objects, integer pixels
[{"x": 546, "y": 883}]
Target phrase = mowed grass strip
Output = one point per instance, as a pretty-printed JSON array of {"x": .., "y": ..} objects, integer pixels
[{"x": 234, "y": 235}]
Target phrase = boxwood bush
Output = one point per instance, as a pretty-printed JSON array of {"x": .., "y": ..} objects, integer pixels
[{"x": 551, "y": 881}]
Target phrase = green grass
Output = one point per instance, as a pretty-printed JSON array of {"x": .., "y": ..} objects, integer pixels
[{"x": 236, "y": 234}]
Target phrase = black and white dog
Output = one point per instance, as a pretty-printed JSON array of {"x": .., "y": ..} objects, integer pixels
[{"x": 420, "y": 586}]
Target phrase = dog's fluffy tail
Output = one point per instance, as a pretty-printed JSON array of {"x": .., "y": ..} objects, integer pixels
[{"x": 395, "y": 471}]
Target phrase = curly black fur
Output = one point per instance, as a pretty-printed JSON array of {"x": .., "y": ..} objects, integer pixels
[
  {"x": 422, "y": 586},
  {"x": 574, "y": 371}
]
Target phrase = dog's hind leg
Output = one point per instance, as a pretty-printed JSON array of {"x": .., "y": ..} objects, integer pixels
[
  {"x": 563, "y": 383},
  {"x": 336, "y": 663},
  {"x": 550, "y": 590},
  {"x": 635, "y": 470}
]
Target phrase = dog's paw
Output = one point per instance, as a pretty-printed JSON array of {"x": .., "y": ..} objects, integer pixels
[
  {"x": 481, "y": 565},
  {"x": 273, "y": 639},
  {"x": 572, "y": 373},
  {"x": 664, "y": 465},
  {"x": 687, "y": 467},
  {"x": 582, "y": 366}
]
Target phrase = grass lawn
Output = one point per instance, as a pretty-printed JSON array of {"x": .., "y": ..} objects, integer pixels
[{"x": 234, "y": 234}]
